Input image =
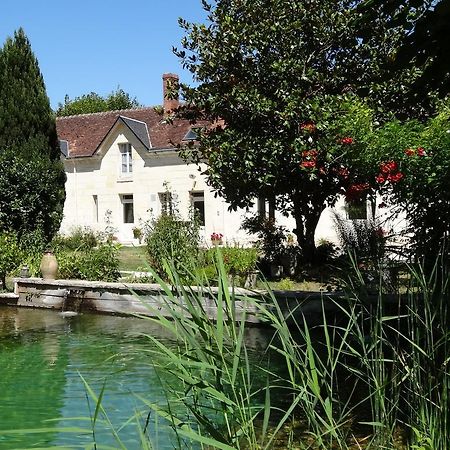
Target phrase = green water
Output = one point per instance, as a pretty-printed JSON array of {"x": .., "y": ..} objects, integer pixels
[{"x": 42, "y": 355}]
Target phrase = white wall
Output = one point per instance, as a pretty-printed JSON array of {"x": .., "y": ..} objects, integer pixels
[{"x": 100, "y": 176}]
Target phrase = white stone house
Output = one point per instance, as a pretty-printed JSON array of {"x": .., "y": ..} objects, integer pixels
[{"x": 119, "y": 165}]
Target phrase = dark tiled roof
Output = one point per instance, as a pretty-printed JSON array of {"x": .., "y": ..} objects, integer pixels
[
  {"x": 139, "y": 129},
  {"x": 85, "y": 132}
]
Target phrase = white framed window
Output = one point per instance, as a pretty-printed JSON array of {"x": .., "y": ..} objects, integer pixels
[
  {"x": 357, "y": 209},
  {"x": 198, "y": 204},
  {"x": 166, "y": 202},
  {"x": 126, "y": 159},
  {"x": 128, "y": 207}
]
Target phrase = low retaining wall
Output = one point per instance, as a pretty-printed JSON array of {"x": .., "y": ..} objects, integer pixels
[
  {"x": 112, "y": 298},
  {"x": 151, "y": 300}
]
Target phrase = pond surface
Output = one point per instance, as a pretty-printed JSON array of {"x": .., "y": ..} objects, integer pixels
[{"x": 43, "y": 360}]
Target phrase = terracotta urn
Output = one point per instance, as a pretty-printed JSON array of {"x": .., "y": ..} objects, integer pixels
[{"x": 49, "y": 266}]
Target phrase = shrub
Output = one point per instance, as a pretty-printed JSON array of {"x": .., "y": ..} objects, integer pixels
[
  {"x": 175, "y": 241},
  {"x": 97, "y": 264},
  {"x": 10, "y": 255},
  {"x": 80, "y": 238},
  {"x": 271, "y": 237}
]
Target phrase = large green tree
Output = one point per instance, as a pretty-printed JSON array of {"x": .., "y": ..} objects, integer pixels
[
  {"x": 32, "y": 177},
  {"x": 276, "y": 76},
  {"x": 418, "y": 70},
  {"x": 93, "y": 102}
]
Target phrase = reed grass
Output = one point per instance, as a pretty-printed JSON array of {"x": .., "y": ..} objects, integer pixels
[{"x": 374, "y": 374}]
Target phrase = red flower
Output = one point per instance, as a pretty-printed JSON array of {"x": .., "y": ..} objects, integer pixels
[
  {"x": 310, "y": 153},
  {"x": 310, "y": 127},
  {"x": 410, "y": 152},
  {"x": 356, "y": 190},
  {"x": 380, "y": 178},
  {"x": 395, "y": 178},
  {"x": 421, "y": 151},
  {"x": 347, "y": 140},
  {"x": 343, "y": 172},
  {"x": 308, "y": 164},
  {"x": 388, "y": 167}
]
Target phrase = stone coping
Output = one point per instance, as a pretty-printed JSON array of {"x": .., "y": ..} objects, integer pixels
[{"x": 102, "y": 285}]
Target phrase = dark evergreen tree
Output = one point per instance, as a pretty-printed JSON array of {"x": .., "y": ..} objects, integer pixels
[{"x": 32, "y": 177}]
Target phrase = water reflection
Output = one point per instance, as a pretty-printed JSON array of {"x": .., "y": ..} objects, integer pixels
[
  {"x": 41, "y": 358},
  {"x": 42, "y": 355}
]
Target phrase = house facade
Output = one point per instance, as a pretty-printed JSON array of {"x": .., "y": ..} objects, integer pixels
[{"x": 123, "y": 168}]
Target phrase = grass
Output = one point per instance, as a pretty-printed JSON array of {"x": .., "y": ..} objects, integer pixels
[{"x": 133, "y": 258}]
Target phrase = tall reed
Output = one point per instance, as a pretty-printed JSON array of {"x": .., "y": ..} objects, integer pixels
[{"x": 373, "y": 374}]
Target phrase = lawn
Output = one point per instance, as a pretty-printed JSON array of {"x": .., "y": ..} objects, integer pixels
[{"x": 133, "y": 258}]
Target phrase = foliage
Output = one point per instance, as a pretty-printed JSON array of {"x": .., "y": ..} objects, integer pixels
[
  {"x": 420, "y": 153},
  {"x": 10, "y": 255},
  {"x": 80, "y": 238},
  {"x": 237, "y": 261},
  {"x": 32, "y": 177},
  {"x": 32, "y": 190},
  {"x": 349, "y": 385},
  {"x": 173, "y": 240},
  {"x": 98, "y": 264},
  {"x": 271, "y": 237},
  {"x": 419, "y": 63},
  {"x": 25, "y": 111},
  {"x": 93, "y": 102},
  {"x": 278, "y": 89},
  {"x": 364, "y": 238}
]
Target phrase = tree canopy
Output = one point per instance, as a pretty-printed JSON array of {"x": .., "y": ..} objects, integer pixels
[
  {"x": 280, "y": 79},
  {"x": 32, "y": 176},
  {"x": 25, "y": 111},
  {"x": 93, "y": 102}
]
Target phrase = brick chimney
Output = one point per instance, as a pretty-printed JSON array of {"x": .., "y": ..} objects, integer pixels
[{"x": 170, "y": 82}]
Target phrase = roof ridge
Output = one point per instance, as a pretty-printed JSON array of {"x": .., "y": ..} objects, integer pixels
[{"x": 106, "y": 113}]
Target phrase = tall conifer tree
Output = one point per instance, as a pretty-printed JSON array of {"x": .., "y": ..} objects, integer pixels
[{"x": 32, "y": 176}]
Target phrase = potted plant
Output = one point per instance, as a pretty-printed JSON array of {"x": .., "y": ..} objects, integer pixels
[
  {"x": 216, "y": 238},
  {"x": 137, "y": 234}
]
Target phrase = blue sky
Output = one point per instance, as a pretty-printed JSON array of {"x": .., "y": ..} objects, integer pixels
[{"x": 98, "y": 45}]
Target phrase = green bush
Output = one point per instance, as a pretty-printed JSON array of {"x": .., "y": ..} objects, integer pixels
[
  {"x": 81, "y": 238},
  {"x": 10, "y": 255},
  {"x": 238, "y": 261},
  {"x": 174, "y": 241},
  {"x": 97, "y": 264}
]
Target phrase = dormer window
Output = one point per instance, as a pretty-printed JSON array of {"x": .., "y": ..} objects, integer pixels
[
  {"x": 191, "y": 135},
  {"x": 126, "y": 167}
]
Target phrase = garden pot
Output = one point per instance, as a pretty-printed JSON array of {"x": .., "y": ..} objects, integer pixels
[
  {"x": 250, "y": 280},
  {"x": 49, "y": 266},
  {"x": 276, "y": 271}
]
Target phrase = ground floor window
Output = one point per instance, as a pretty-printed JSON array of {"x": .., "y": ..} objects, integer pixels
[
  {"x": 198, "y": 204},
  {"x": 128, "y": 208},
  {"x": 166, "y": 202},
  {"x": 357, "y": 209}
]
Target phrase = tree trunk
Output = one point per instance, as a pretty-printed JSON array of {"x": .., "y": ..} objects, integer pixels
[{"x": 306, "y": 220}]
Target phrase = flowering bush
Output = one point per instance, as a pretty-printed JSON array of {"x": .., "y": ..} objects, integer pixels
[
  {"x": 216, "y": 236},
  {"x": 414, "y": 177}
]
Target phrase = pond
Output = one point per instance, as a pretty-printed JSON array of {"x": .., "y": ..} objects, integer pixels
[{"x": 43, "y": 360}]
